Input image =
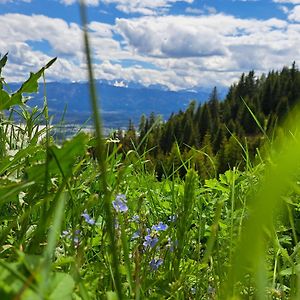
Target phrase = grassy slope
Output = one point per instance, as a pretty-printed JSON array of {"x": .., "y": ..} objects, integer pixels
[{"x": 212, "y": 247}]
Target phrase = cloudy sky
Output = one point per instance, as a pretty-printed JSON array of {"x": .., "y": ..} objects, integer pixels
[{"x": 178, "y": 43}]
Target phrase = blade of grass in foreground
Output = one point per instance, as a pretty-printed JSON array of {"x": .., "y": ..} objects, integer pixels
[
  {"x": 100, "y": 152},
  {"x": 250, "y": 255}
]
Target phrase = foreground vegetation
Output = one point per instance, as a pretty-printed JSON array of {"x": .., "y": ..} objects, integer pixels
[{"x": 83, "y": 221}]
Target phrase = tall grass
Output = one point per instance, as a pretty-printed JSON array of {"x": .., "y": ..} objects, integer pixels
[{"x": 75, "y": 225}]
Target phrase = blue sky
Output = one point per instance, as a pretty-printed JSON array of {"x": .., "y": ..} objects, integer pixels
[{"x": 180, "y": 44}]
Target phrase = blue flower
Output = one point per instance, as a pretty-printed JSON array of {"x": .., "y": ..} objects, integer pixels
[
  {"x": 76, "y": 237},
  {"x": 88, "y": 218},
  {"x": 67, "y": 234},
  {"x": 150, "y": 241},
  {"x": 160, "y": 227},
  {"x": 120, "y": 203},
  {"x": 136, "y": 235},
  {"x": 155, "y": 263}
]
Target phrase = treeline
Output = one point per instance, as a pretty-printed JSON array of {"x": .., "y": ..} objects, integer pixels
[{"x": 216, "y": 135}]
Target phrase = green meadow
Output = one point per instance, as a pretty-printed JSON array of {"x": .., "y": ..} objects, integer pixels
[{"x": 81, "y": 219}]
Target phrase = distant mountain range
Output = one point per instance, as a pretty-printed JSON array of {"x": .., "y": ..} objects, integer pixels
[{"x": 119, "y": 101}]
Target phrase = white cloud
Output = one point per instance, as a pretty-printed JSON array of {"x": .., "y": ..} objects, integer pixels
[
  {"x": 287, "y": 1},
  {"x": 196, "y": 11},
  {"x": 284, "y": 9},
  {"x": 176, "y": 51},
  {"x": 144, "y": 7},
  {"x": 170, "y": 37},
  {"x": 192, "y": 10},
  {"x": 87, "y": 2},
  {"x": 294, "y": 14},
  {"x": 181, "y": 36},
  {"x": 210, "y": 9}
]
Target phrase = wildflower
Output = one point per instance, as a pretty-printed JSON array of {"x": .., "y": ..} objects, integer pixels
[
  {"x": 88, "y": 218},
  {"x": 160, "y": 227},
  {"x": 76, "y": 238},
  {"x": 135, "y": 218},
  {"x": 136, "y": 235},
  {"x": 150, "y": 241},
  {"x": 154, "y": 264},
  {"x": 65, "y": 233},
  {"x": 120, "y": 203},
  {"x": 193, "y": 291}
]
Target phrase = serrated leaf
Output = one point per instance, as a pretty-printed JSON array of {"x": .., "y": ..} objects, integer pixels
[{"x": 31, "y": 84}]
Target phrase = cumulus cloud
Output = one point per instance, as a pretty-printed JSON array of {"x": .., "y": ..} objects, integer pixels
[
  {"x": 184, "y": 37},
  {"x": 64, "y": 40},
  {"x": 144, "y": 7},
  {"x": 171, "y": 37},
  {"x": 294, "y": 14},
  {"x": 176, "y": 51}
]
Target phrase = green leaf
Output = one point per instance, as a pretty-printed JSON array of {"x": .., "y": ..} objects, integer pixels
[
  {"x": 112, "y": 295},
  {"x": 62, "y": 159},
  {"x": 290, "y": 271},
  {"x": 3, "y": 61},
  {"x": 16, "y": 99},
  {"x": 4, "y": 100},
  {"x": 62, "y": 286},
  {"x": 9, "y": 191},
  {"x": 31, "y": 262},
  {"x": 9, "y": 164},
  {"x": 11, "y": 278},
  {"x": 31, "y": 84}
]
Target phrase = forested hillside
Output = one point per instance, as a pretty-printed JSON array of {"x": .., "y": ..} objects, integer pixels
[{"x": 217, "y": 135}]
